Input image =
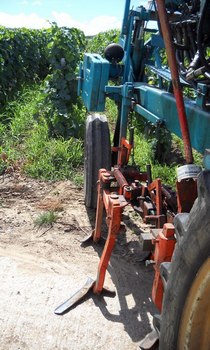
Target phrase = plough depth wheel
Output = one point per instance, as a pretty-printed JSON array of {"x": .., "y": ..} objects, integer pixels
[{"x": 97, "y": 155}]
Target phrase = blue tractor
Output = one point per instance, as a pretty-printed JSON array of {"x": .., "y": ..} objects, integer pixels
[{"x": 175, "y": 50}]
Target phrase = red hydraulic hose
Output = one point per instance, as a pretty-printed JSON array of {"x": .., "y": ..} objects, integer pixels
[{"x": 166, "y": 32}]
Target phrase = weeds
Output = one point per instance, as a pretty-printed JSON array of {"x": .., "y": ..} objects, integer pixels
[
  {"x": 27, "y": 137},
  {"x": 46, "y": 219}
]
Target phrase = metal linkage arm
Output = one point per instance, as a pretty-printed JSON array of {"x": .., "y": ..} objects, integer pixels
[{"x": 166, "y": 31}]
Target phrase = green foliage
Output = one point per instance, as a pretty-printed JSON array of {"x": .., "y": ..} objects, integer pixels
[
  {"x": 23, "y": 58},
  {"x": 166, "y": 173},
  {"x": 178, "y": 144},
  {"x": 99, "y": 42},
  {"x": 2, "y": 132},
  {"x": 3, "y": 166},
  {"x": 27, "y": 139},
  {"x": 143, "y": 150},
  {"x": 51, "y": 158},
  {"x": 20, "y": 121},
  {"x": 159, "y": 138},
  {"x": 67, "y": 124},
  {"x": 36, "y": 115},
  {"x": 65, "y": 51},
  {"x": 29, "y": 55},
  {"x": 161, "y": 142},
  {"x": 46, "y": 219},
  {"x": 33, "y": 115},
  {"x": 144, "y": 154},
  {"x": 111, "y": 113}
]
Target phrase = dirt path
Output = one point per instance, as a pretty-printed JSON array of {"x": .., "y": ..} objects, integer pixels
[{"x": 40, "y": 267}]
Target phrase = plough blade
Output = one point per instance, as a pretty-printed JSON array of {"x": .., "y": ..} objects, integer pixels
[
  {"x": 87, "y": 238},
  {"x": 150, "y": 341},
  {"x": 75, "y": 297}
]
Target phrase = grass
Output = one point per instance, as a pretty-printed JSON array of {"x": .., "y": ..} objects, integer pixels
[
  {"x": 49, "y": 158},
  {"x": 166, "y": 171},
  {"x": 25, "y": 136},
  {"x": 144, "y": 155},
  {"x": 46, "y": 219},
  {"x": 198, "y": 157}
]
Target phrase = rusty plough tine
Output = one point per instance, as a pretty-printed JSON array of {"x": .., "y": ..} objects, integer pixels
[
  {"x": 75, "y": 297},
  {"x": 87, "y": 238},
  {"x": 80, "y": 294},
  {"x": 97, "y": 285}
]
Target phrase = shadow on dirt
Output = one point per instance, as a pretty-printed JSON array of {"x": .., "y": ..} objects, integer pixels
[{"x": 132, "y": 280}]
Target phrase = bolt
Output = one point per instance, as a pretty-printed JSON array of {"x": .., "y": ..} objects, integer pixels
[
  {"x": 106, "y": 175},
  {"x": 149, "y": 262},
  {"x": 114, "y": 196},
  {"x": 199, "y": 91}
]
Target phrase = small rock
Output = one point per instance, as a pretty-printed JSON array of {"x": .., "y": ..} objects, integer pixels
[{"x": 68, "y": 229}]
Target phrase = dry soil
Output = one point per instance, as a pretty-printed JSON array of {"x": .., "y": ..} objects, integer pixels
[{"x": 41, "y": 266}]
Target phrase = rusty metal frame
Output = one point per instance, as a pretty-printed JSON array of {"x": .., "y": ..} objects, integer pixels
[
  {"x": 113, "y": 203},
  {"x": 164, "y": 246},
  {"x": 113, "y": 200}
]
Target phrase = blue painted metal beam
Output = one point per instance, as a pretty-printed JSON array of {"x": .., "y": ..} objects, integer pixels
[
  {"x": 155, "y": 104},
  {"x": 150, "y": 102},
  {"x": 124, "y": 29}
]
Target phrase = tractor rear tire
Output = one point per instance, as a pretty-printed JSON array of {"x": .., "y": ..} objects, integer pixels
[
  {"x": 185, "y": 319},
  {"x": 97, "y": 155}
]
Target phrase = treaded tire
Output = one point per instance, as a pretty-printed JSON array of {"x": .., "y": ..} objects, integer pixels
[
  {"x": 97, "y": 155},
  {"x": 191, "y": 252}
]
